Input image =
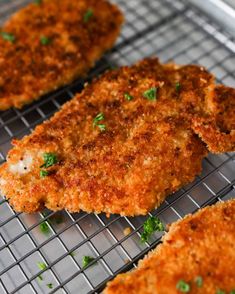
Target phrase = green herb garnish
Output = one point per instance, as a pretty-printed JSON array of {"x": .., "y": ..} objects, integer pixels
[
  {"x": 7, "y": 37},
  {"x": 96, "y": 121},
  {"x": 49, "y": 159},
  {"x": 183, "y": 287},
  {"x": 177, "y": 86},
  {"x": 87, "y": 260},
  {"x": 50, "y": 286},
  {"x": 128, "y": 97},
  {"x": 219, "y": 291},
  {"x": 43, "y": 173},
  {"x": 38, "y": 2},
  {"x": 102, "y": 127},
  {"x": 45, "y": 40},
  {"x": 41, "y": 265},
  {"x": 88, "y": 14},
  {"x": 199, "y": 281},
  {"x": 232, "y": 292},
  {"x": 151, "y": 94},
  {"x": 40, "y": 278},
  {"x": 98, "y": 118},
  {"x": 44, "y": 228},
  {"x": 151, "y": 225},
  {"x": 58, "y": 219}
]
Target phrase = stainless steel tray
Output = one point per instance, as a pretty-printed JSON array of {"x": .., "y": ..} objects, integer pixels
[{"x": 173, "y": 30}]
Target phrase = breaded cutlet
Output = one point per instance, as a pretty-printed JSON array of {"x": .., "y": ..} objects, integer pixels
[
  {"x": 121, "y": 146},
  {"x": 197, "y": 256},
  {"x": 50, "y": 43}
]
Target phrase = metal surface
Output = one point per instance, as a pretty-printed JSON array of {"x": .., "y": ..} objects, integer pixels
[
  {"x": 173, "y": 31},
  {"x": 222, "y": 11}
]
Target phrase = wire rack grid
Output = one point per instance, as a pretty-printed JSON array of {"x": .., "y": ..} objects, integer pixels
[{"x": 172, "y": 30}]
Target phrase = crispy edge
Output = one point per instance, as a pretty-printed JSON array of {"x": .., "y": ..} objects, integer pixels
[
  {"x": 209, "y": 127},
  {"x": 125, "y": 283}
]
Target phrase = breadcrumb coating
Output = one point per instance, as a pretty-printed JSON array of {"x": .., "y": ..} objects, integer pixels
[
  {"x": 123, "y": 144},
  {"x": 47, "y": 45},
  {"x": 199, "y": 251}
]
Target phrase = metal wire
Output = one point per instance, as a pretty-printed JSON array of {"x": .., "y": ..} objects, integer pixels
[{"x": 172, "y": 30}]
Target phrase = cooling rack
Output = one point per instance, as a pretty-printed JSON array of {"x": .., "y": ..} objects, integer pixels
[{"x": 172, "y": 30}]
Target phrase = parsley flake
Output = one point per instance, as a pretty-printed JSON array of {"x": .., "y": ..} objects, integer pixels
[
  {"x": 151, "y": 94},
  {"x": 88, "y": 14},
  {"x": 183, "y": 287},
  {"x": 232, "y": 292},
  {"x": 128, "y": 97},
  {"x": 42, "y": 266},
  {"x": 50, "y": 286},
  {"x": 44, "y": 228},
  {"x": 96, "y": 121},
  {"x": 45, "y": 40},
  {"x": 40, "y": 278},
  {"x": 49, "y": 159},
  {"x": 43, "y": 173},
  {"x": 98, "y": 118},
  {"x": 199, "y": 281},
  {"x": 219, "y": 291},
  {"x": 38, "y": 2},
  {"x": 102, "y": 127},
  {"x": 177, "y": 86},
  {"x": 7, "y": 37},
  {"x": 151, "y": 225},
  {"x": 87, "y": 260},
  {"x": 56, "y": 219}
]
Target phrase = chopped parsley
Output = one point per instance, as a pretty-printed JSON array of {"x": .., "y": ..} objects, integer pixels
[
  {"x": 42, "y": 266},
  {"x": 183, "y": 287},
  {"x": 56, "y": 219},
  {"x": 128, "y": 97},
  {"x": 102, "y": 127},
  {"x": 232, "y": 292},
  {"x": 96, "y": 121},
  {"x": 199, "y": 281},
  {"x": 87, "y": 260},
  {"x": 88, "y": 15},
  {"x": 151, "y": 94},
  {"x": 151, "y": 225},
  {"x": 45, "y": 40},
  {"x": 177, "y": 86},
  {"x": 49, "y": 159},
  {"x": 40, "y": 278},
  {"x": 44, "y": 228},
  {"x": 50, "y": 286},
  {"x": 219, "y": 291},
  {"x": 8, "y": 37},
  {"x": 43, "y": 173},
  {"x": 38, "y": 2}
]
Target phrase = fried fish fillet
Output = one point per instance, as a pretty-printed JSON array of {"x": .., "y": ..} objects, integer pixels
[
  {"x": 121, "y": 146},
  {"x": 197, "y": 256},
  {"x": 49, "y": 43}
]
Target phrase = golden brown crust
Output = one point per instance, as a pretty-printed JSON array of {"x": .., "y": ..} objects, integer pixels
[
  {"x": 147, "y": 152},
  {"x": 200, "y": 245},
  {"x": 128, "y": 169},
  {"x": 218, "y": 129},
  {"x": 29, "y": 69}
]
